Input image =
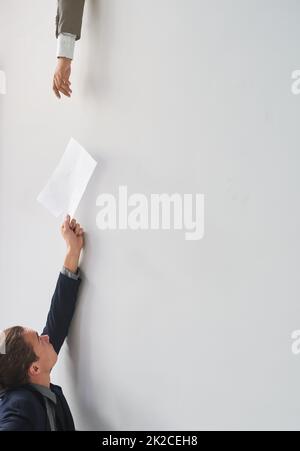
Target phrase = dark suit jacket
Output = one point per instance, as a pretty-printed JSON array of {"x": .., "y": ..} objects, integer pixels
[
  {"x": 69, "y": 17},
  {"x": 23, "y": 408}
]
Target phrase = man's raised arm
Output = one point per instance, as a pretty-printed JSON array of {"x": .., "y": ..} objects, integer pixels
[{"x": 65, "y": 296}]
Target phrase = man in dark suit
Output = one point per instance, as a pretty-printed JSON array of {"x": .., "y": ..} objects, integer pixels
[
  {"x": 68, "y": 30},
  {"x": 28, "y": 400}
]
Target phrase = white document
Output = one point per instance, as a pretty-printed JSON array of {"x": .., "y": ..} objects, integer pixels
[
  {"x": 67, "y": 184},
  {"x": 2, "y": 82}
]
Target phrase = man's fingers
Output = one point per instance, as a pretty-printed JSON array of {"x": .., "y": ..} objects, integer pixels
[
  {"x": 62, "y": 85},
  {"x": 77, "y": 229},
  {"x": 64, "y": 91},
  {"x": 67, "y": 84},
  {"x": 67, "y": 88},
  {"x": 72, "y": 225},
  {"x": 57, "y": 85},
  {"x": 57, "y": 82},
  {"x": 66, "y": 222},
  {"x": 56, "y": 92}
]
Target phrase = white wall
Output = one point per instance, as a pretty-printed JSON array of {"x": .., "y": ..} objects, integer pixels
[{"x": 169, "y": 96}]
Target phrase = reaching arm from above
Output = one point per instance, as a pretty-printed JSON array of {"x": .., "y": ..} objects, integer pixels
[
  {"x": 69, "y": 17},
  {"x": 68, "y": 30}
]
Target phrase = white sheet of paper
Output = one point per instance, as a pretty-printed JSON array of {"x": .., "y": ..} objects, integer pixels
[
  {"x": 2, "y": 82},
  {"x": 68, "y": 183}
]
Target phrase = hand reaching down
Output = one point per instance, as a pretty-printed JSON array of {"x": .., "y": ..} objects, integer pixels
[{"x": 61, "y": 79}]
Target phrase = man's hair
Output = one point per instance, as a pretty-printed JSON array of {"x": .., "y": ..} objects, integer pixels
[{"x": 15, "y": 363}]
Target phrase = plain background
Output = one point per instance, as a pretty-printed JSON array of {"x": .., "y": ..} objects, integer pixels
[{"x": 169, "y": 96}]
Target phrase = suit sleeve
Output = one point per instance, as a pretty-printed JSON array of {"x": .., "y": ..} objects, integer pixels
[
  {"x": 15, "y": 423},
  {"x": 15, "y": 418},
  {"x": 69, "y": 17},
  {"x": 61, "y": 310}
]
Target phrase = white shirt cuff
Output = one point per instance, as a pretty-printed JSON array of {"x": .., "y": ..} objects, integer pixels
[
  {"x": 70, "y": 274},
  {"x": 66, "y": 45}
]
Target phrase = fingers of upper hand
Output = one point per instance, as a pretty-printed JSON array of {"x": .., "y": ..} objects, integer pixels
[
  {"x": 56, "y": 92},
  {"x": 61, "y": 84}
]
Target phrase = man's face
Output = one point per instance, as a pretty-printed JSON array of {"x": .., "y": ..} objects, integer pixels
[{"x": 43, "y": 349}]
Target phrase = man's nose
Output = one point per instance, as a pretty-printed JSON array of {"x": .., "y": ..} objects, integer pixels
[{"x": 45, "y": 338}]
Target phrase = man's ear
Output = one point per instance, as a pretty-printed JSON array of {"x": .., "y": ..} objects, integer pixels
[{"x": 34, "y": 369}]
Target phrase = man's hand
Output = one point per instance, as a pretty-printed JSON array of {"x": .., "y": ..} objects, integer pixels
[
  {"x": 61, "y": 80},
  {"x": 73, "y": 235}
]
